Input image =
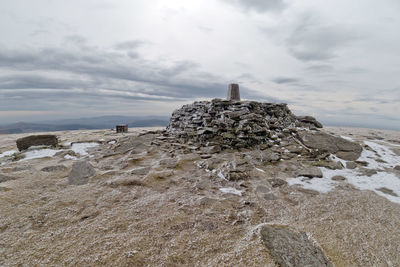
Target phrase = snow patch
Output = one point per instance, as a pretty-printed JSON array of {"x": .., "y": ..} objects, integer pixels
[
  {"x": 41, "y": 153},
  {"x": 347, "y": 138},
  {"x": 7, "y": 153},
  {"x": 260, "y": 170},
  {"x": 81, "y": 148},
  {"x": 356, "y": 177},
  {"x": 220, "y": 175},
  {"x": 231, "y": 190}
]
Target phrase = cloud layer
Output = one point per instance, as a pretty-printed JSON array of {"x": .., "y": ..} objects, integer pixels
[{"x": 335, "y": 60}]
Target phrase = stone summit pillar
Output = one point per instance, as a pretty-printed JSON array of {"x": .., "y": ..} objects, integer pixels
[{"x": 233, "y": 92}]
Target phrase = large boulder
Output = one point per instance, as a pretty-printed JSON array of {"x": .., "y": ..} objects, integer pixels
[
  {"x": 324, "y": 142},
  {"x": 36, "y": 140},
  {"x": 290, "y": 248},
  {"x": 80, "y": 173}
]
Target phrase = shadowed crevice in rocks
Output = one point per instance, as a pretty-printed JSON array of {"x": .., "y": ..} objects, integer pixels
[{"x": 289, "y": 248}]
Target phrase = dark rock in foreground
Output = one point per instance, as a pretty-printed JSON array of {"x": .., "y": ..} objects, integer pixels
[
  {"x": 36, "y": 140},
  {"x": 289, "y": 248}
]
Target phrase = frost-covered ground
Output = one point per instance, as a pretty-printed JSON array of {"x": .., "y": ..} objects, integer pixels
[{"x": 150, "y": 204}]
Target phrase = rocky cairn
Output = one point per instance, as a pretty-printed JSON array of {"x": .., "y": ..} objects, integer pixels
[{"x": 235, "y": 124}]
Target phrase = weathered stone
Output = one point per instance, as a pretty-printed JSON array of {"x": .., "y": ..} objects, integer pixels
[
  {"x": 54, "y": 168},
  {"x": 310, "y": 120},
  {"x": 351, "y": 165},
  {"x": 276, "y": 182},
  {"x": 310, "y": 172},
  {"x": 80, "y": 173},
  {"x": 270, "y": 196},
  {"x": 4, "y": 178},
  {"x": 169, "y": 163},
  {"x": 338, "y": 178},
  {"x": 289, "y": 248},
  {"x": 387, "y": 191},
  {"x": 397, "y": 168},
  {"x": 36, "y": 140},
  {"x": 140, "y": 171}
]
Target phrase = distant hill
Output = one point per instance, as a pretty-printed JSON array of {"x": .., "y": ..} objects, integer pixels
[{"x": 103, "y": 122}]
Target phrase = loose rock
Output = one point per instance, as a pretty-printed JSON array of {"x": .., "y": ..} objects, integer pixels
[
  {"x": 54, "y": 168},
  {"x": 80, "y": 173},
  {"x": 289, "y": 248},
  {"x": 36, "y": 140}
]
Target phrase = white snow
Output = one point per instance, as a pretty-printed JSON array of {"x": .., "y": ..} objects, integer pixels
[
  {"x": 347, "y": 138},
  {"x": 356, "y": 178},
  {"x": 41, "y": 153},
  {"x": 81, "y": 148},
  {"x": 220, "y": 175},
  {"x": 7, "y": 153},
  {"x": 231, "y": 190},
  {"x": 112, "y": 142},
  {"x": 260, "y": 170},
  {"x": 70, "y": 157}
]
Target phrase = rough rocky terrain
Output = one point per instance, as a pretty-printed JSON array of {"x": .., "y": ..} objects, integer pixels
[{"x": 145, "y": 199}]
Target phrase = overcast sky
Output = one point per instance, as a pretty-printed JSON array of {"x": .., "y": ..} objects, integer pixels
[{"x": 337, "y": 60}]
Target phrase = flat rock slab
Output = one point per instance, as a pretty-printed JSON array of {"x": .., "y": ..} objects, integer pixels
[
  {"x": 290, "y": 248},
  {"x": 36, "y": 140},
  {"x": 324, "y": 142},
  {"x": 80, "y": 173}
]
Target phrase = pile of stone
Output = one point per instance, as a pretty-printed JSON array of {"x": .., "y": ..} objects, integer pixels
[{"x": 235, "y": 124}]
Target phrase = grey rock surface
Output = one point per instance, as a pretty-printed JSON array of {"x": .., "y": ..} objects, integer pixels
[
  {"x": 80, "y": 173},
  {"x": 324, "y": 142},
  {"x": 289, "y": 248}
]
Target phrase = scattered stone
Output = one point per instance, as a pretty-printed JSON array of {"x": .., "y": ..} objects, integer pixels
[
  {"x": 262, "y": 189},
  {"x": 4, "y": 178},
  {"x": 276, "y": 182},
  {"x": 80, "y": 173},
  {"x": 270, "y": 196},
  {"x": 362, "y": 163},
  {"x": 159, "y": 174},
  {"x": 141, "y": 171},
  {"x": 351, "y": 165},
  {"x": 338, "y": 178},
  {"x": 36, "y": 140},
  {"x": 54, "y": 168},
  {"x": 169, "y": 163},
  {"x": 397, "y": 168},
  {"x": 368, "y": 172},
  {"x": 289, "y": 248},
  {"x": 333, "y": 165},
  {"x": 125, "y": 181},
  {"x": 308, "y": 191},
  {"x": 310, "y": 172},
  {"x": 387, "y": 191}
]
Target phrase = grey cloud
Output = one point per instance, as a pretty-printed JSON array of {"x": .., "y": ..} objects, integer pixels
[
  {"x": 129, "y": 45},
  {"x": 260, "y": 6},
  {"x": 283, "y": 80},
  {"x": 311, "y": 40}
]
